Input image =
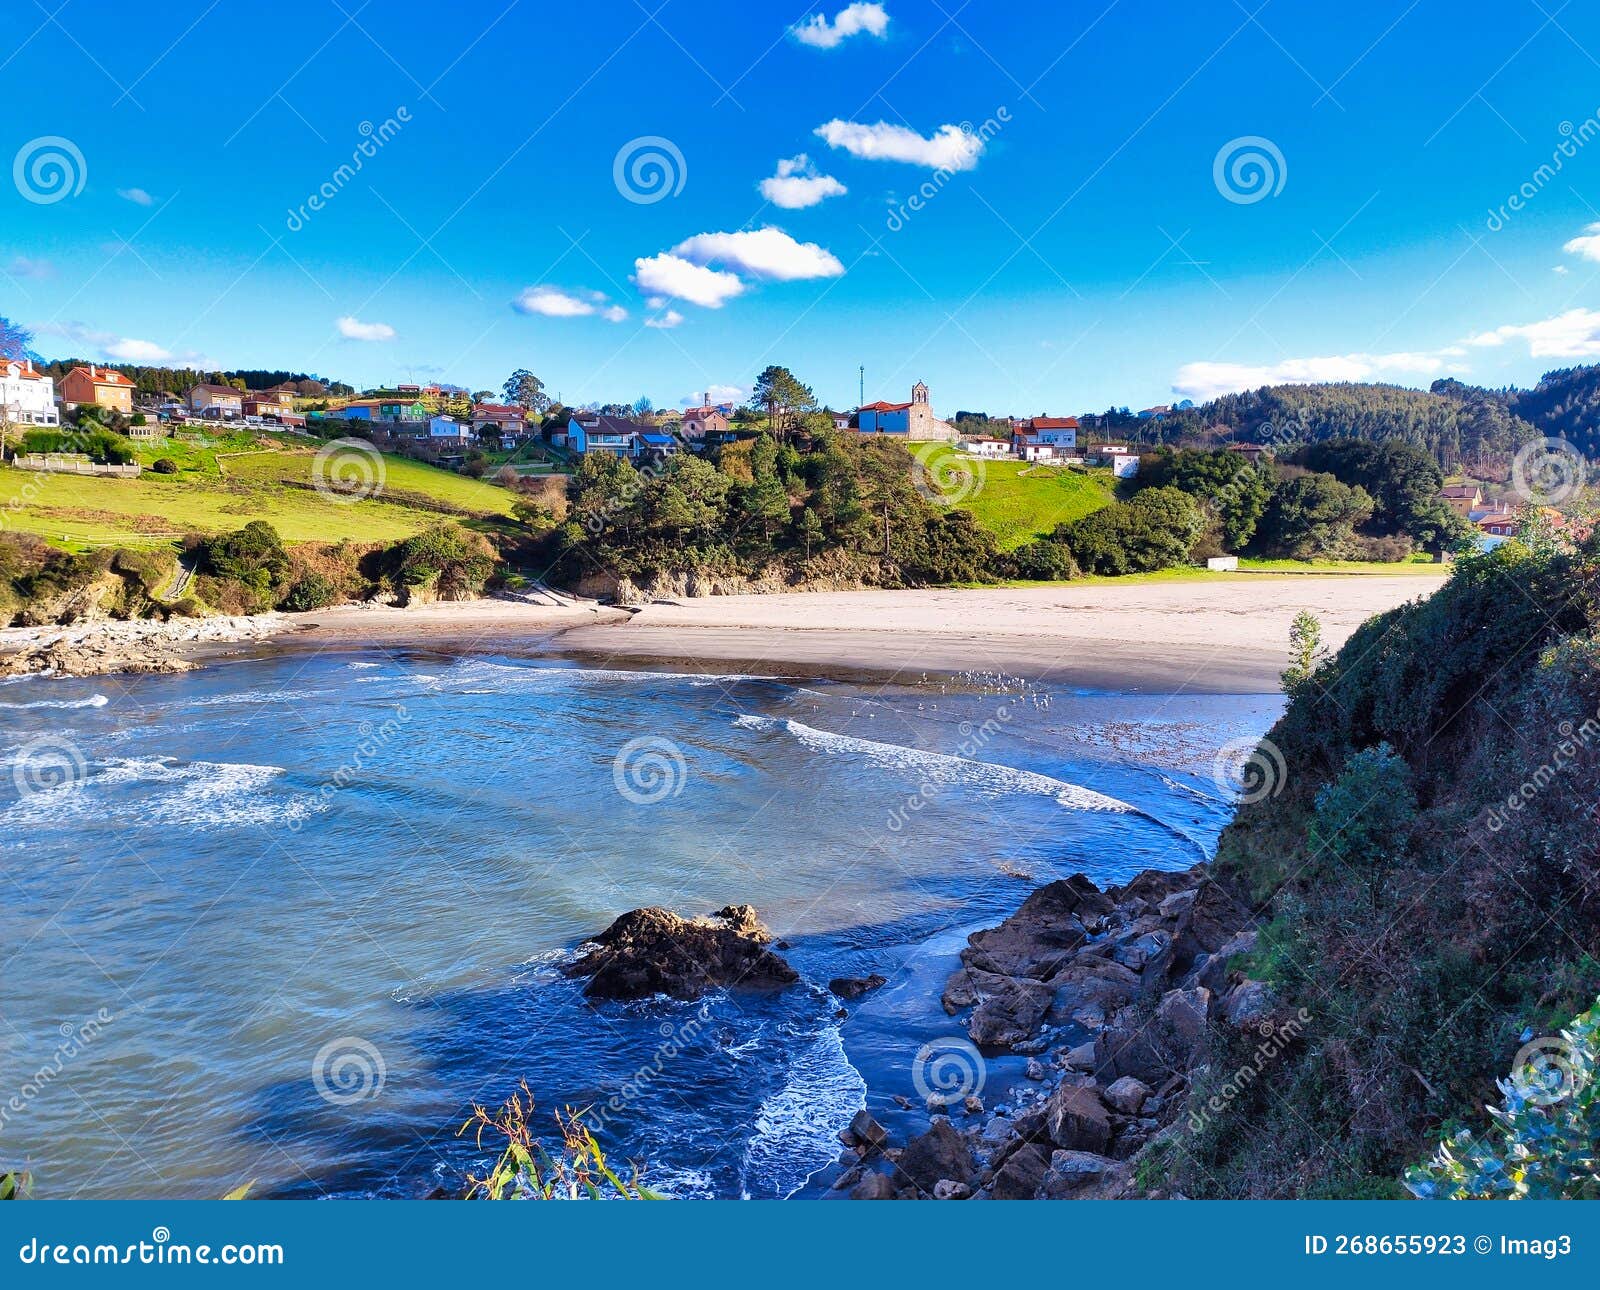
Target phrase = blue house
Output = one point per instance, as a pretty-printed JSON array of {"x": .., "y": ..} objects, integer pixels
[{"x": 591, "y": 432}]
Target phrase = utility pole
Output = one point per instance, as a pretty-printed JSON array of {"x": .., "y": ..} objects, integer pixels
[{"x": 861, "y": 398}]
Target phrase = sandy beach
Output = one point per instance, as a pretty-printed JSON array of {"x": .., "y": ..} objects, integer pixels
[{"x": 1228, "y": 636}]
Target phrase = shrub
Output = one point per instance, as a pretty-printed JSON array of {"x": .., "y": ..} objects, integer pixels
[
  {"x": 1541, "y": 1145},
  {"x": 310, "y": 591},
  {"x": 1153, "y": 531},
  {"x": 1043, "y": 561},
  {"x": 164, "y": 466}
]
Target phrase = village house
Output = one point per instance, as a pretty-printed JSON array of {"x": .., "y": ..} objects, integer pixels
[
  {"x": 508, "y": 420},
  {"x": 655, "y": 444},
  {"x": 384, "y": 409},
  {"x": 224, "y": 399},
  {"x": 593, "y": 432},
  {"x": 1251, "y": 452},
  {"x": 1045, "y": 438},
  {"x": 914, "y": 420},
  {"x": 99, "y": 386},
  {"x": 982, "y": 446},
  {"x": 1463, "y": 499},
  {"x": 1122, "y": 460},
  {"x": 27, "y": 397},
  {"x": 707, "y": 419}
]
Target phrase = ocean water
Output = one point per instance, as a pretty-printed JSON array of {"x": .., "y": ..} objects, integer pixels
[{"x": 288, "y": 918}]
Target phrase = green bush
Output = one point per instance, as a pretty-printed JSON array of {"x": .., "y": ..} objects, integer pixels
[
  {"x": 311, "y": 591},
  {"x": 1153, "y": 531},
  {"x": 1541, "y": 1144},
  {"x": 164, "y": 466}
]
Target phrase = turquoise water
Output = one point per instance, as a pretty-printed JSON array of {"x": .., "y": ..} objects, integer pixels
[{"x": 287, "y": 918}]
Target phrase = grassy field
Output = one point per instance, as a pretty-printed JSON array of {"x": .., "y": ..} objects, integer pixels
[
  {"x": 1018, "y": 502},
  {"x": 224, "y": 482}
]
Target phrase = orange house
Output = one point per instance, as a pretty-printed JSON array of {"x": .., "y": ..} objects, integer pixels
[{"x": 104, "y": 386}]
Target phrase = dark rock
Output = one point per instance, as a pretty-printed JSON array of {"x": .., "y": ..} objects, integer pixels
[
  {"x": 949, "y": 1189},
  {"x": 867, "y": 1131},
  {"x": 1168, "y": 1044},
  {"x": 1035, "y": 1070},
  {"x": 849, "y": 1178},
  {"x": 1009, "y": 1009},
  {"x": 1206, "y": 925},
  {"x": 941, "y": 1152},
  {"x": 1249, "y": 1006},
  {"x": 873, "y": 1186},
  {"x": 1216, "y": 973},
  {"x": 1127, "y": 1095},
  {"x": 654, "y": 951},
  {"x": 1151, "y": 887},
  {"x": 1037, "y": 939},
  {"x": 1076, "y": 1119},
  {"x": 960, "y": 992},
  {"x": 1072, "y": 1172},
  {"x": 1022, "y": 1174},
  {"x": 1087, "y": 991},
  {"x": 853, "y": 987}
]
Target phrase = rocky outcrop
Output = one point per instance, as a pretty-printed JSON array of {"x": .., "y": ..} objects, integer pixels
[
  {"x": 853, "y": 987},
  {"x": 1120, "y": 993},
  {"x": 654, "y": 951},
  {"x": 103, "y": 646}
]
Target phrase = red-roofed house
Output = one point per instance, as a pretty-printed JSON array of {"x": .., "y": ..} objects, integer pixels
[
  {"x": 914, "y": 420},
  {"x": 102, "y": 386},
  {"x": 510, "y": 420},
  {"x": 1044, "y": 438}
]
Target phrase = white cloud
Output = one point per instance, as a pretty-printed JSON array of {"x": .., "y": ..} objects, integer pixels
[
  {"x": 354, "y": 329},
  {"x": 1586, "y": 244},
  {"x": 26, "y": 267},
  {"x": 1560, "y": 269},
  {"x": 1574, "y": 334},
  {"x": 554, "y": 302},
  {"x": 852, "y": 20},
  {"x": 948, "y": 148},
  {"x": 797, "y": 185},
  {"x": 121, "y": 349},
  {"x": 762, "y": 253},
  {"x": 715, "y": 394},
  {"x": 665, "y": 321},
  {"x": 1202, "y": 381},
  {"x": 137, "y": 196},
  {"x": 671, "y": 275}
]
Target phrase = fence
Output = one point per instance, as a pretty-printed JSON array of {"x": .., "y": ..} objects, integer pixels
[{"x": 55, "y": 463}]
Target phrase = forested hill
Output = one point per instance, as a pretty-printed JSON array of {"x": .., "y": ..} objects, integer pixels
[
  {"x": 1566, "y": 404},
  {"x": 1458, "y": 425}
]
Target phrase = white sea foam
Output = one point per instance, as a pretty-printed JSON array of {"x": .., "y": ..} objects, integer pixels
[
  {"x": 480, "y": 671},
  {"x": 93, "y": 701},
  {"x": 199, "y": 795},
  {"x": 256, "y": 696},
  {"x": 941, "y": 768},
  {"x": 797, "y": 1128},
  {"x": 363, "y": 663}
]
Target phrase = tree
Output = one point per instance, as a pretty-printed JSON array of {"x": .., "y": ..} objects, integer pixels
[
  {"x": 1155, "y": 530},
  {"x": 1306, "y": 652},
  {"x": 526, "y": 390},
  {"x": 16, "y": 341},
  {"x": 1314, "y": 517},
  {"x": 642, "y": 407},
  {"x": 781, "y": 393},
  {"x": 766, "y": 500},
  {"x": 809, "y": 529}
]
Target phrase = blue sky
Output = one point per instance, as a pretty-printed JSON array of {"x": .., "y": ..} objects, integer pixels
[{"x": 1081, "y": 247}]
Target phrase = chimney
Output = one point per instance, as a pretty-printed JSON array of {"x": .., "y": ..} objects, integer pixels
[{"x": 93, "y": 374}]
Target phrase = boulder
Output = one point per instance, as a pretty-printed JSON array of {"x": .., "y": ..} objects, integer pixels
[
  {"x": 1249, "y": 1006},
  {"x": 960, "y": 992},
  {"x": 949, "y": 1189},
  {"x": 1151, "y": 887},
  {"x": 1021, "y": 1176},
  {"x": 1215, "y": 973},
  {"x": 1076, "y": 1119},
  {"x": 1127, "y": 1095},
  {"x": 940, "y": 1153},
  {"x": 1034, "y": 1070},
  {"x": 1009, "y": 1009},
  {"x": 1071, "y": 1172},
  {"x": 853, "y": 987},
  {"x": 1134, "y": 954},
  {"x": 1206, "y": 925},
  {"x": 1167, "y": 1044},
  {"x": 654, "y": 951},
  {"x": 873, "y": 1186},
  {"x": 1088, "y": 990},
  {"x": 867, "y": 1131},
  {"x": 1037, "y": 939}
]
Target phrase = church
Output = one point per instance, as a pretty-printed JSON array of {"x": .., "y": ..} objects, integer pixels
[{"x": 914, "y": 420}]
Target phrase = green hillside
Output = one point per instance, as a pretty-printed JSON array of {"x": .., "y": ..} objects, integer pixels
[
  {"x": 1018, "y": 502},
  {"x": 226, "y": 481}
]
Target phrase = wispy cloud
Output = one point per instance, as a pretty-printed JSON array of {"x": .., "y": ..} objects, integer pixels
[
  {"x": 798, "y": 185},
  {"x": 672, "y": 275},
  {"x": 557, "y": 302},
  {"x": 120, "y": 349},
  {"x": 354, "y": 329},
  {"x": 1586, "y": 244},
  {"x": 137, "y": 196},
  {"x": 1201, "y": 381},
  {"x": 1574, "y": 334},
  {"x": 762, "y": 253},
  {"x": 664, "y": 321},
  {"x": 853, "y": 20},
  {"x": 948, "y": 148},
  {"x": 26, "y": 268}
]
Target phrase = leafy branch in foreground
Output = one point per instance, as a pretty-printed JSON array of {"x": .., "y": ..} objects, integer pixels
[
  {"x": 1542, "y": 1143},
  {"x": 15, "y": 1186},
  {"x": 526, "y": 1170}
]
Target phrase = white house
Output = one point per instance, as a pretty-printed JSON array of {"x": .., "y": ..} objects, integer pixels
[
  {"x": 986, "y": 447},
  {"x": 1045, "y": 438},
  {"x": 27, "y": 397}
]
